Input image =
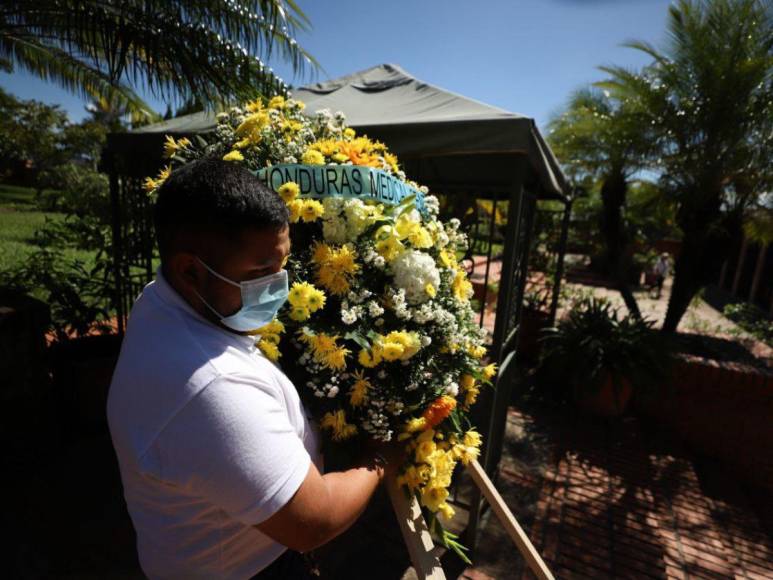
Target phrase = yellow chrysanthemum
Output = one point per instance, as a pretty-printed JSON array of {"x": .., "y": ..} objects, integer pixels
[
  {"x": 476, "y": 351},
  {"x": 336, "y": 422},
  {"x": 470, "y": 396},
  {"x": 251, "y": 126},
  {"x": 415, "y": 425},
  {"x": 171, "y": 147},
  {"x": 339, "y": 158},
  {"x": 275, "y": 338},
  {"x": 445, "y": 510},
  {"x": 320, "y": 253},
  {"x": 469, "y": 448},
  {"x": 313, "y": 157},
  {"x": 316, "y": 299},
  {"x": 295, "y": 207},
  {"x": 322, "y": 342},
  {"x": 420, "y": 238},
  {"x": 254, "y": 106},
  {"x": 358, "y": 394},
  {"x": 151, "y": 184},
  {"x": 349, "y": 133},
  {"x": 367, "y": 359},
  {"x": 392, "y": 351},
  {"x": 424, "y": 449},
  {"x": 233, "y": 156},
  {"x": 405, "y": 226},
  {"x": 277, "y": 102},
  {"x": 273, "y": 327},
  {"x": 390, "y": 248},
  {"x": 336, "y": 270},
  {"x": 408, "y": 340},
  {"x": 414, "y": 476},
  {"x": 461, "y": 287},
  {"x": 328, "y": 147},
  {"x": 299, "y": 294},
  {"x": 466, "y": 382},
  {"x": 448, "y": 259},
  {"x": 335, "y": 359},
  {"x": 326, "y": 350},
  {"x": 489, "y": 371},
  {"x": 472, "y": 438},
  {"x": 299, "y": 313},
  {"x": 312, "y": 210},
  {"x": 289, "y": 191},
  {"x": 429, "y": 289},
  {"x": 433, "y": 497},
  {"x": 269, "y": 349},
  {"x": 442, "y": 464}
]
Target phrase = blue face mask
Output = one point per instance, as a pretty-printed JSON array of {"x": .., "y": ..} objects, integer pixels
[{"x": 261, "y": 300}]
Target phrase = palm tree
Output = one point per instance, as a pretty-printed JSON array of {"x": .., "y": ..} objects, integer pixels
[
  {"x": 599, "y": 139},
  {"x": 178, "y": 49},
  {"x": 708, "y": 99}
]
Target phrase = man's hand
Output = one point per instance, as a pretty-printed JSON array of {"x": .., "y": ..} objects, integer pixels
[
  {"x": 326, "y": 505},
  {"x": 390, "y": 455}
]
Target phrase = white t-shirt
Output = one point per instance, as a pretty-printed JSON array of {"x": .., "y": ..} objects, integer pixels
[{"x": 211, "y": 439}]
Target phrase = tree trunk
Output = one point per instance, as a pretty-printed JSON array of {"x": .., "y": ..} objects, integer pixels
[
  {"x": 708, "y": 235},
  {"x": 758, "y": 271},
  {"x": 684, "y": 288},
  {"x": 739, "y": 266},
  {"x": 613, "y": 194}
]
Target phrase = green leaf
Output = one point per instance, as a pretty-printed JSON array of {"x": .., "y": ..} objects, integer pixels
[{"x": 358, "y": 338}]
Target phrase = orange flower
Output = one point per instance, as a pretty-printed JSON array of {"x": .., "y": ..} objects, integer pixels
[{"x": 439, "y": 410}]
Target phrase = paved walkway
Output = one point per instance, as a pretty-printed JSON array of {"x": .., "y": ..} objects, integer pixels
[{"x": 617, "y": 501}]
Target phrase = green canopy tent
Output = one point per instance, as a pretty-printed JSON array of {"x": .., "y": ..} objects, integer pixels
[{"x": 446, "y": 141}]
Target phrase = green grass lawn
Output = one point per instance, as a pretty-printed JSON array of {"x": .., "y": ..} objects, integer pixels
[{"x": 20, "y": 218}]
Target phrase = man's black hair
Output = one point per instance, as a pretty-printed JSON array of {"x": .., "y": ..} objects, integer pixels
[{"x": 214, "y": 196}]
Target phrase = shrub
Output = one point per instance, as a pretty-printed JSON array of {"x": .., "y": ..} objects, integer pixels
[
  {"x": 752, "y": 319},
  {"x": 593, "y": 341}
]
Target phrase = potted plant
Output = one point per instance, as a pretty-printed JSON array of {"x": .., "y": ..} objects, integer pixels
[{"x": 599, "y": 360}]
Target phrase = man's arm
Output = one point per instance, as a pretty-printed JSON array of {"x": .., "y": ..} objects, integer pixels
[{"x": 326, "y": 505}]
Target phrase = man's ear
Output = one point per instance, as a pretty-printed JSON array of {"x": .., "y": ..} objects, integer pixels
[{"x": 186, "y": 269}]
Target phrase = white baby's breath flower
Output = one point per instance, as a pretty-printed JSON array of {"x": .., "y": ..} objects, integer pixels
[{"x": 375, "y": 309}]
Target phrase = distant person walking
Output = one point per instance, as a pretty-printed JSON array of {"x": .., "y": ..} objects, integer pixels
[{"x": 660, "y": 270}]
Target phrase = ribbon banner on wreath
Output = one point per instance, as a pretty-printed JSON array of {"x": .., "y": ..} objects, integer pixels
[{"x": 347, "y": 181}]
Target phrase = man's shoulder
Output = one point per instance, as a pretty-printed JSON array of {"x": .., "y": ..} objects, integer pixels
[{"x": 166, "y": 360}]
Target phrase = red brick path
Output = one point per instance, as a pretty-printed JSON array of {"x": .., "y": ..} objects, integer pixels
[{"x": 617, "y": 502}]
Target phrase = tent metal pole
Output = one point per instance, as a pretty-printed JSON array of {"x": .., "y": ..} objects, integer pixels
[
  {"x": 560, "y": 260},
  {"x": 505, "y": 304}
]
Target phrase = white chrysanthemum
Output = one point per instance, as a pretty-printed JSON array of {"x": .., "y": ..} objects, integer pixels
[
  {"x": 359, "y": 216},
  {"x": 414, "y": 272},
  {"x": 333, "y": 225}
]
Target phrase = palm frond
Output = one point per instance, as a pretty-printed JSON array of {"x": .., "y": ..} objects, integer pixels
[
  {"x": 52, "y": 63},
  {"x": 212, "y": 51}
]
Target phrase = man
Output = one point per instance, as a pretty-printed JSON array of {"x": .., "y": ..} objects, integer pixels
[
  {"x": 661, "y": 271},
  {"x": 220, "y": 465}
]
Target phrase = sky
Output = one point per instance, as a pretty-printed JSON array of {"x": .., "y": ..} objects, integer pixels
[{"x": 525, "y": 56}]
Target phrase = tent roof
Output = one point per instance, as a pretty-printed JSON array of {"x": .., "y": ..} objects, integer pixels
[{"x": 429, "y": 128}]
